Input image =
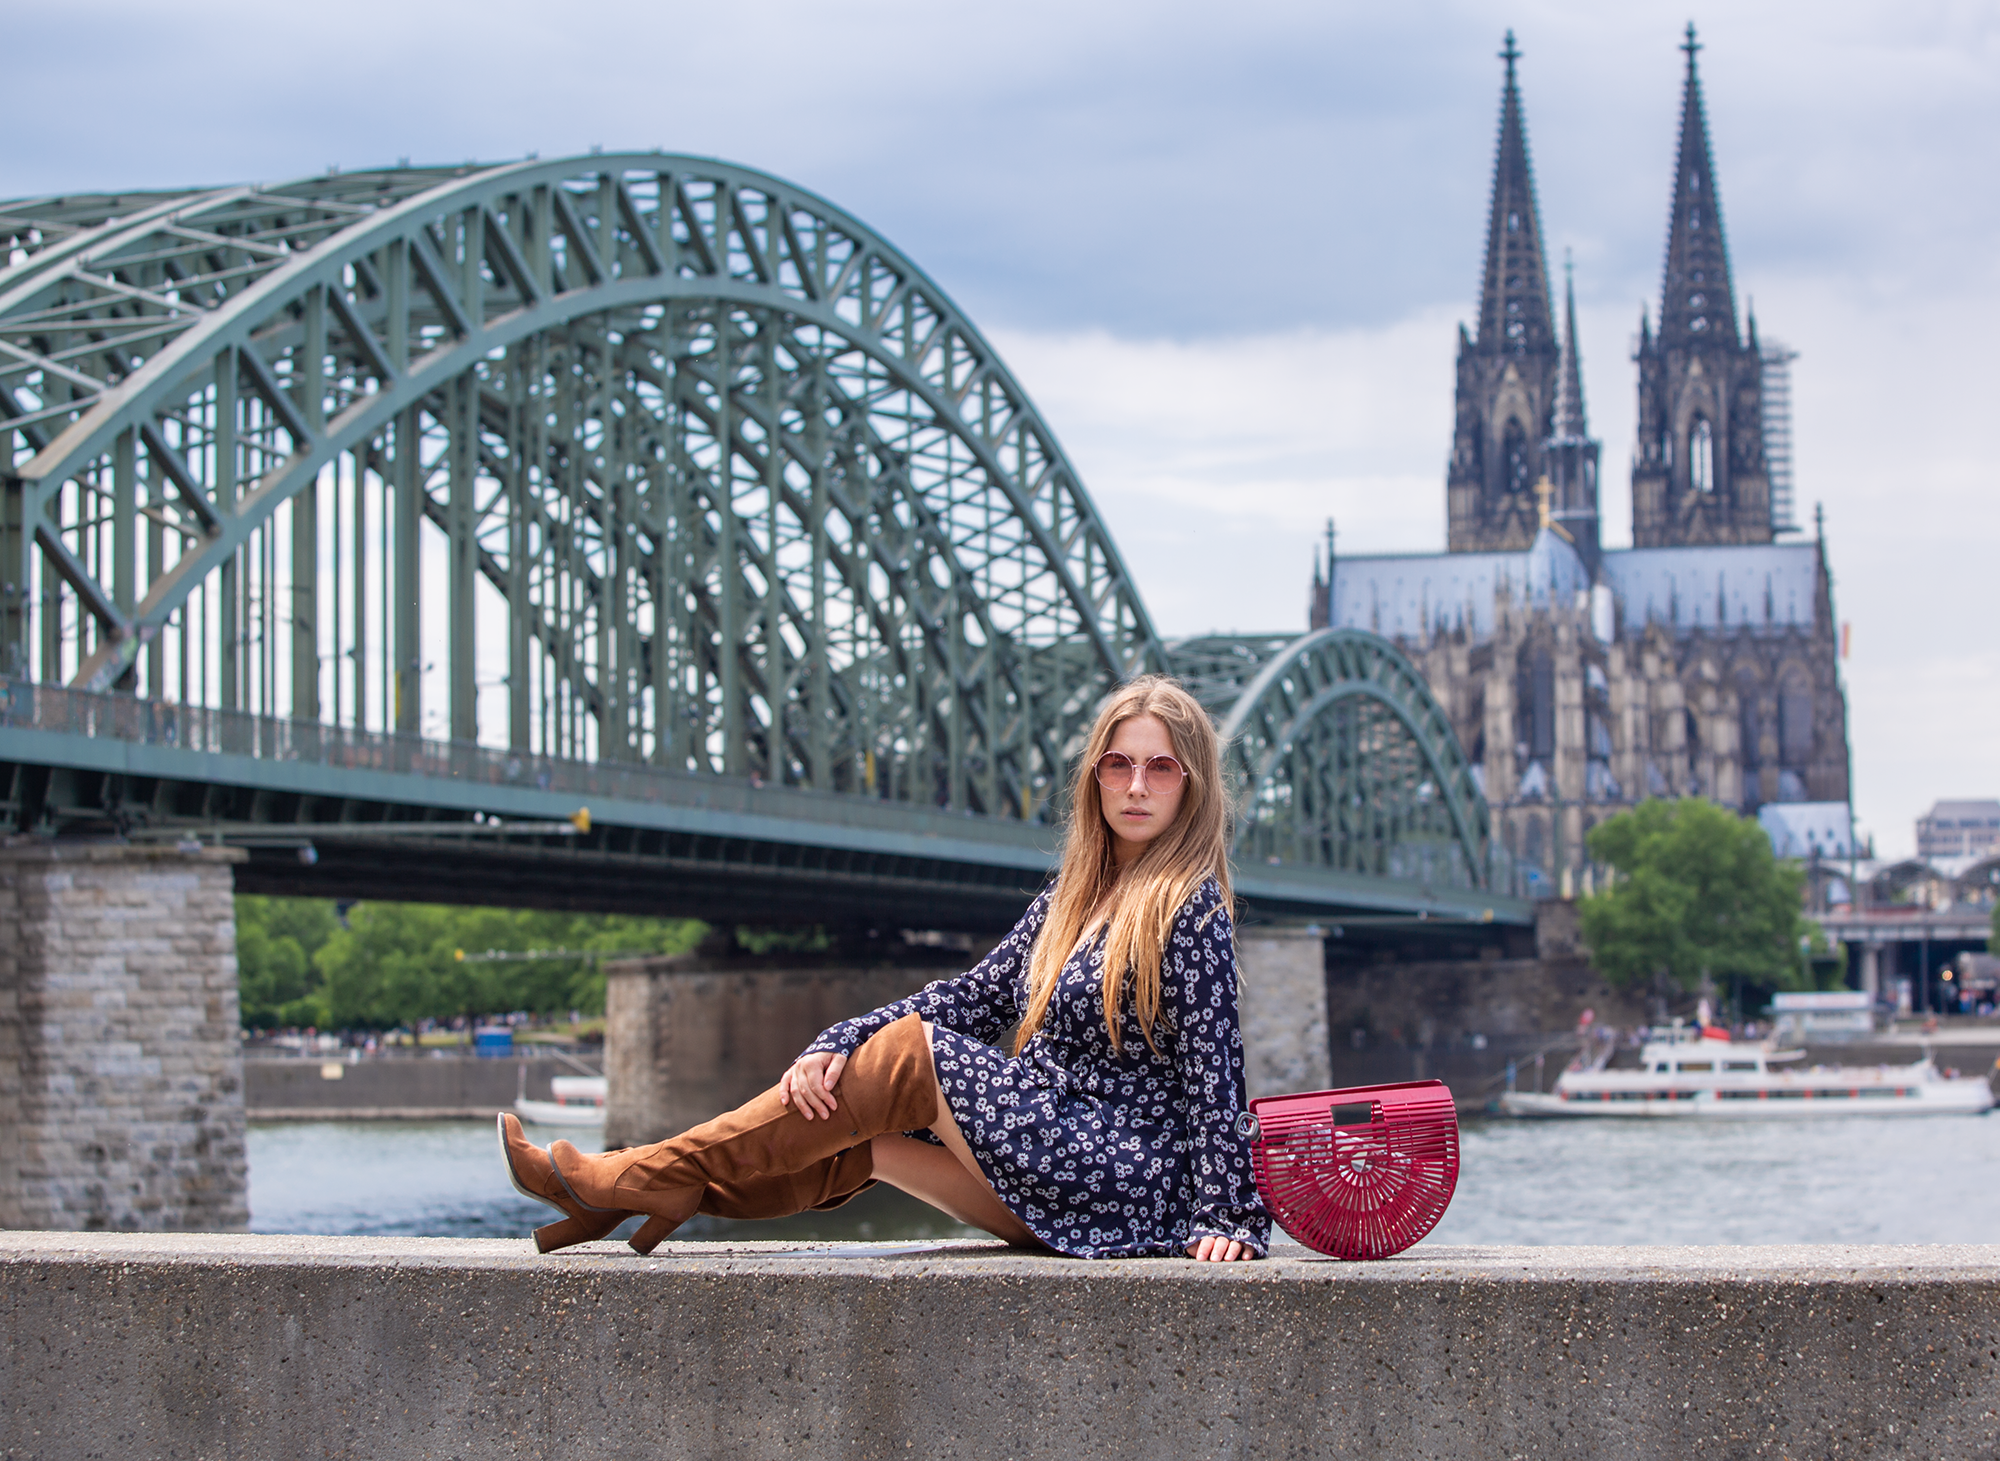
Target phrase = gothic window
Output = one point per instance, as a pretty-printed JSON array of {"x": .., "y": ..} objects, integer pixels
[
  {"x": 1795, "y": 725},
  {"x": 1693, "y": 732},
  {"x": 1750, "y": 727},
  {"x": 1542, "y": 707},
  {"x": 1701, "y": 456},
  {"x": 1748, "y": 722},
  {"x": 1513, "y": 223},
  {"x": 1514, "y": 456}
]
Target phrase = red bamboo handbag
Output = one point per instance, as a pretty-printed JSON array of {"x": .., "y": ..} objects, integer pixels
[{"x": 1357, "y": 1173}]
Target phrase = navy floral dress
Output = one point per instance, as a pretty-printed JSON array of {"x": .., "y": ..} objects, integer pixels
[{"x": 1100, "y": 1155}]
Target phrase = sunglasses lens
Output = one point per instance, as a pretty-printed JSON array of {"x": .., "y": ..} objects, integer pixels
[{"x": 1114, "y": 769}]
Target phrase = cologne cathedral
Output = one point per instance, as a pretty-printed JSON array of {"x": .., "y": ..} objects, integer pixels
[{"x": 1702, "y": 660}]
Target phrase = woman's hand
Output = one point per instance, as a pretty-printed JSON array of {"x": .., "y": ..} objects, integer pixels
[
  {"x": 1220, "y": 1250},
  {"x": 810, "y": 1082}
]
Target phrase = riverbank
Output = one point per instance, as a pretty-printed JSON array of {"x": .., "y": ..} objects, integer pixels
[
  {"x": 443, "y": 1087},
  {"x": 237, "y": 1346}
]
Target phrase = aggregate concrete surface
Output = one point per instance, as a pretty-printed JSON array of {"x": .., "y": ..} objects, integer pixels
[{"x": 215, "y": 1346}]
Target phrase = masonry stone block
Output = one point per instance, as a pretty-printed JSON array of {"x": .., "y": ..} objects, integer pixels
[{"x": 121, "y": 1078}]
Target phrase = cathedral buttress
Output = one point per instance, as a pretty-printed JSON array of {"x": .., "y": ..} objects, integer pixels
[
  {"x": 1507, "y": 372},
  {"x": 1698, "y": 473}
]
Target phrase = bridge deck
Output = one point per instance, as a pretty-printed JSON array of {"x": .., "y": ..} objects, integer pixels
[{"x": 660, "y": 841}]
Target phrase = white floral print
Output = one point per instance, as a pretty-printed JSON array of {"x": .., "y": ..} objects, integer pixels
[{"x": 1100, "y": 1155}]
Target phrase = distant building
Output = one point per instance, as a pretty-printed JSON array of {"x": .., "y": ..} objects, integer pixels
[
  {"x": 1581, "y": 680},
  {"x": 1959, "y": 829},
  {"x": 1807, "y": 830}
]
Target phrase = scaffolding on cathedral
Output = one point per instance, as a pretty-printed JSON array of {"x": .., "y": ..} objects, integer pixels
[{"x": 1777, "y": 373}]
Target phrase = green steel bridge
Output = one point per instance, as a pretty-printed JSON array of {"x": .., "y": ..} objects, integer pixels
[{"x": 379, "y": 522}]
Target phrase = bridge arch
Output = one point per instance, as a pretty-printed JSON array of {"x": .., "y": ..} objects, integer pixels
[
  {"x": 1343, "y": 758},
  {"x": 648, "y": 469},
  {"x": 749, "y": 492}
]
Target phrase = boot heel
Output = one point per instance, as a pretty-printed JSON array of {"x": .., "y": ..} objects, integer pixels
[
  {"x": 573, "y": 1230},
  {"x": 651, "y": 1234}
]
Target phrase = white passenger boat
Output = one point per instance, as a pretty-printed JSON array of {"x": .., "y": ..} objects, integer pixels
[
  {"x": 1695, "y": 1074},
  {"x": 578, "y": 1101}
]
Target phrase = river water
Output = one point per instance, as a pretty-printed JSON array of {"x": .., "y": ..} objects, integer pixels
[{"x": 1857, "y": 1179}]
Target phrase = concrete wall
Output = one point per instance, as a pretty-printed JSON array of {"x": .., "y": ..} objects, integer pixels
[
  {"x": 121, "y": 1086},
  {"x": 392, "y": 1089},
  {"x": 689, "y": 1036},
  {"x": 1462, "y": 1020},
  {"x": 221, "y": 1347},
  {"x": 1283, "y": 1007}
]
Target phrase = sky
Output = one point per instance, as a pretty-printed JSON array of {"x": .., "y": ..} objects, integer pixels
[{"x": 1226, "y": 249}]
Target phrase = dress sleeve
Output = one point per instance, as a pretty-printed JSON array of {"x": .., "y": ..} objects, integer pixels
[
  {"x": 984, "y": 1003},
  {"x": 1198, "y": 983}
]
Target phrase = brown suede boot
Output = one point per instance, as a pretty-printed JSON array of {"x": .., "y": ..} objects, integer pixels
[
  {"x": 819, "y": 1188},
  {"x": 888, "y": 1085},
  {"x": 533, "y": 1175}
]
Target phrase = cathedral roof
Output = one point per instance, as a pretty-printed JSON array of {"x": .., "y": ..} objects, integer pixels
[
  {"x": 1765, "y": 588},
  {"x": 1552, "y": 572}
]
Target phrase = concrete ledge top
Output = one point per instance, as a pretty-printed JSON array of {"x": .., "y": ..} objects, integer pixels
[
  {"x": 214, "y": 1347},
  {"x": 1834, "y": 1264}
]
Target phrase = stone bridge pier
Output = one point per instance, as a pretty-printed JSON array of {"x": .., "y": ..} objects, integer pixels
[
  {"x": 689, "y": 1036},
  {"x": 121, "y": 1075}
]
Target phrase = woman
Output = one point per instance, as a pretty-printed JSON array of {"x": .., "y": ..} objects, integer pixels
[{"x": 1117, "y": 1124}]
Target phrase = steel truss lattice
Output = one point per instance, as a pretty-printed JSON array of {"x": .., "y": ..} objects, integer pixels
[
  {"x": 1342, "y": 758},
  {"x": 628, "y": 458},
  {"x": 713, "y": 477}
]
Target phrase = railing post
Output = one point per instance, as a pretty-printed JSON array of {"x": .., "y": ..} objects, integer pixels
[
  {"x": 407, "y": 670},
  {"x": 15, "y": 576}
]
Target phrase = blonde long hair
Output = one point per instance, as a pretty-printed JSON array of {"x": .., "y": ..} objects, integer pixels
[{"x": 1150, "y": 891}]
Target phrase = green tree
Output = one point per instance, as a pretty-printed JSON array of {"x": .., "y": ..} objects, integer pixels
[
  {"x": 396, "y": 963},
  {"x": 276, "y": 939},
  {"x": 1698, "y": 895}
]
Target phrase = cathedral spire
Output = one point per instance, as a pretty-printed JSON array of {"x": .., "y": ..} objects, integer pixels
[
  {"x": 1696, "y": 302},
  {"x": 1700, "y": 473},
  {"x": 1507, "y": 370},
  {"x": 1569, "y": 455},
  {"x": 1514, "y": 312},
  {"x": 1569, "y": 416}
]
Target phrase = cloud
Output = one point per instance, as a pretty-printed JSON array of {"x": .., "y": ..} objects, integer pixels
[
  {"x": 1225, "y": 247},
  {"x": 1216, "y": 463},
  {"x": 1167, "y": 169}
]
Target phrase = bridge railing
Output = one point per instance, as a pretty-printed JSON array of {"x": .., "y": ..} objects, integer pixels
[{"x": 28, "y": 705}]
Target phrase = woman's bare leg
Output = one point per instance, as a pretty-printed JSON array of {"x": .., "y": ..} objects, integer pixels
[
  {"x": 933, "y": 1175},
  {"x": 948, "y": 1179}
]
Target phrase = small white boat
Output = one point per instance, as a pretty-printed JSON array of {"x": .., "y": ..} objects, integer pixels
[
  {"x": 1698, "y": 1073},
  {"x": 578, "y": 1101}
]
